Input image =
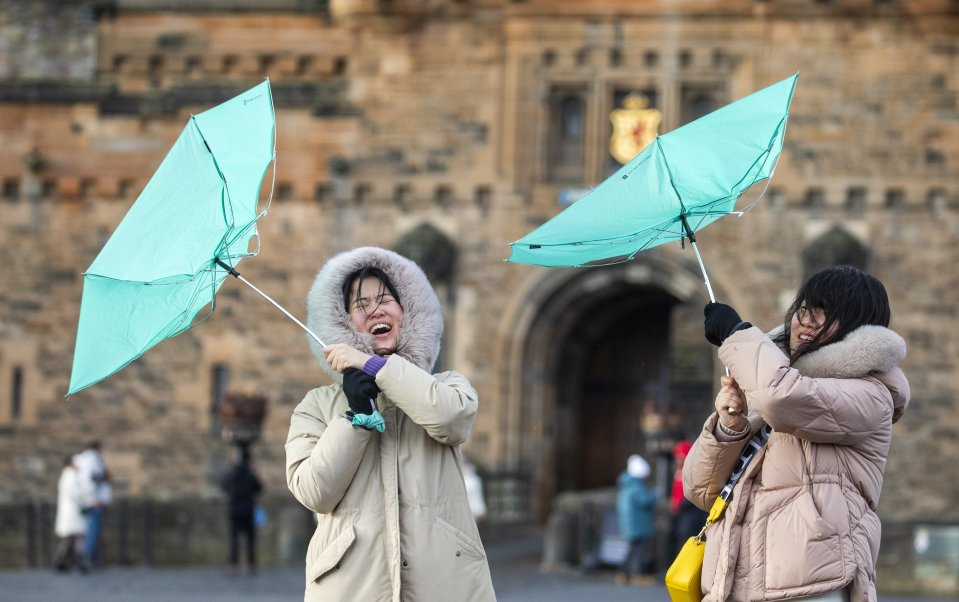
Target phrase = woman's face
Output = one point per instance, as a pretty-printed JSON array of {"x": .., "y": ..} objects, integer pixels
[
  {"x": 806, "y": 324},
  {"x": 373, "y": 310}
]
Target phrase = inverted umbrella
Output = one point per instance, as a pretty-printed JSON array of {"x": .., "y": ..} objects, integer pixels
[
  {"x": 187, "y": 230},
  {"x": 680, "y": 183}
]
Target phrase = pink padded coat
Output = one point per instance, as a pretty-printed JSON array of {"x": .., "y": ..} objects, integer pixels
[{"x": 802, "y": 520}]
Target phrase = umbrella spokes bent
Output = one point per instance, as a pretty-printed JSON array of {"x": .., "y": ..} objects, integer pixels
[
  {"x": 682, "y": 182},
  {"x": 158, "y": 273}
]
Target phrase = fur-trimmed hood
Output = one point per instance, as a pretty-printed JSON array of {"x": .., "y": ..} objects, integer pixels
[
  {"x": 868, "y": 350},
  {"x": 420, "y": 330}
]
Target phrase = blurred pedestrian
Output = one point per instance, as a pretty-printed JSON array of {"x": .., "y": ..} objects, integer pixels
[
  {"x": 686, "y": 519},
  {"x": 242, "y": 487},
  {"x": 474, "y": 490},
  {"x": 635, "y": 503},
  {"x": 394, "y": 521},
  {"x": 93, "y": 469},
  {"x": 73, "y": 495},
  {"x": 828, "y": 385}
]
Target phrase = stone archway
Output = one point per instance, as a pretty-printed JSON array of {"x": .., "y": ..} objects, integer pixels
[
  {"x": 612, "y": 362},
  {"x": 612, "y": 366}
]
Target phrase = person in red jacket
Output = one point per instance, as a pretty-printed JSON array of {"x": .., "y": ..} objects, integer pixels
[{"x": 687, "y": 519}]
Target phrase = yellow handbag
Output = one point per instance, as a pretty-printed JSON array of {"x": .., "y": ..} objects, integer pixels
[{"x": 685, "y": 574}]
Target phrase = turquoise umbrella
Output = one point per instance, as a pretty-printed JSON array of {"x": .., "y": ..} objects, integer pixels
[
  {"x": 683, "y": 181},
  {"x": 191, "y": 224}
]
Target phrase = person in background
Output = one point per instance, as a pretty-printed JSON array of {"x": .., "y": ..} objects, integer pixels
[
  {"x": 474, "y": 490},
  {"x": 94, "y": 471},
  {"x": 687, "y": 519},
  {"x": 73, "y": 495},
  {"x": 801, "y": 522},
  {"x": 635, "y": 503},
  {"x": 242, "y": 486}
]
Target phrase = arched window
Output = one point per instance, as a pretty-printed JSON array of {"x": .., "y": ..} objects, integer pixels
[
  {"x": 698, "y": 100},
  {"x": 219, "y": 381},
  {"x": 856, "y": 199},
  {"x": 16, "y": 393},
  {"x": 835, "y": 247},
  {"x": 432, "y": 250},
  {"x": 567, "y": 116},
  {"x": 437, "y": 255}
]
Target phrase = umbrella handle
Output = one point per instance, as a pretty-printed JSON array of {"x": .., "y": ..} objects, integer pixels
[{"x": 232, "y": 271}]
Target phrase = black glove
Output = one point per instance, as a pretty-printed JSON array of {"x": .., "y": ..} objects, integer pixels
[
  {"x": 361, "y": 390},
  {"x": 721, "y": 321}
]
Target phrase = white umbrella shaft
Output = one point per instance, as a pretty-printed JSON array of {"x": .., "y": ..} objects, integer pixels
[
  {"x": 702, "y": 267},
  {"x": 709, "y": 287},
  {"x": 236, "y": 274}
]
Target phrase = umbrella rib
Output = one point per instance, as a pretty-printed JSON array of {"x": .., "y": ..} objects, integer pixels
[
  {"x": 656, "y": 233},
  {"x": 189, "y": 295},
  {"x": 765, "y": 157},
  {"x": 783, "y": 125},
  {"x": 669, "y": 173},
  {"x": 225, "y": 202},
  {"x": 689, "y": 233}
]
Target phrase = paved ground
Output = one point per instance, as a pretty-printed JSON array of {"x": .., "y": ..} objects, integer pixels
[{"x": 514, "y": 565}]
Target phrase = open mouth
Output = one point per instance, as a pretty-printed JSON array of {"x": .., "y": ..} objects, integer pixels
[
  {"x": 805, "y": 338},
  {"x": 381, "y": 328}
]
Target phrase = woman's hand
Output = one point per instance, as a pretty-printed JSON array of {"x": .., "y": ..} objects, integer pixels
[
  {"x": 731, "y": 405},
  {"x": 341, "y": 356}
]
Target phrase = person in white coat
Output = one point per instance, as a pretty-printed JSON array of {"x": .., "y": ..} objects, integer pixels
[
  {"x": 70, "y": 525},
  {"x": 394, "y": 522},
  {"x": 474, "y": 490}
]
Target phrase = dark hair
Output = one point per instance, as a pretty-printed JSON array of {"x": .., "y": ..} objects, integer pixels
[
  {"x": 359, "y": 276},
  {"x": 848, "y": 296}
]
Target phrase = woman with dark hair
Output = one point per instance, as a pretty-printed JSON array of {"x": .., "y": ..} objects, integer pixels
[
  {"x": 801, "y": 521},
  {"x": 393, "y": 518}
]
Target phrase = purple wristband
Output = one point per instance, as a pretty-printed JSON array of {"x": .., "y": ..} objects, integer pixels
[{"x": 373, "y": 365}]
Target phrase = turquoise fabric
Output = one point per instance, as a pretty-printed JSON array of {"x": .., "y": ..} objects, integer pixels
[
  {"x": 370, "y": 421},
  {"x": 635, "y": 503},
  {"x": 698, "y": 170},
  {"x": 156, "y": 273}
]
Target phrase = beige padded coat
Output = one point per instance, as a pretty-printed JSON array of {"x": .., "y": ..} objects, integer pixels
[
  {"x": 393, "y": 520},
  {"x": 802, "y": 520}
]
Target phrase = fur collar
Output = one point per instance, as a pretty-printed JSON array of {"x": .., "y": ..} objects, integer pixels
[
  {"x": 422, "y": 325},
  {"x": 866, "y": 350}
]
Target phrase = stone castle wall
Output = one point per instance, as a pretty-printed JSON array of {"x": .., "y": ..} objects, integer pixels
[{"x": 440, "y": 117}]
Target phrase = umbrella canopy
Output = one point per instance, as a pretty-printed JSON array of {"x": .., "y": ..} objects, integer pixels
[
  {"x": 160, "y": 267},
  {"x": 681, "y": 182}
]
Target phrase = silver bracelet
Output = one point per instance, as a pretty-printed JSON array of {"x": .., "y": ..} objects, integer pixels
[{"x": 730, "y": 431}]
